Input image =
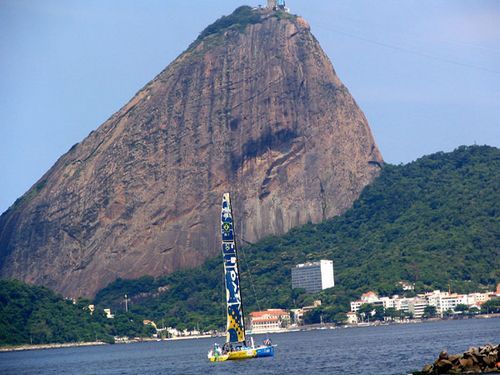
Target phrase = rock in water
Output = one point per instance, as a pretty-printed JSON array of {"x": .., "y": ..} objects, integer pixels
[
  {"x": 482, "y": 360},
  {"x": 253, "y": 107}
]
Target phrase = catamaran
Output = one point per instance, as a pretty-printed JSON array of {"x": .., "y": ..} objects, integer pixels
[{"x": 237, "y": 346}]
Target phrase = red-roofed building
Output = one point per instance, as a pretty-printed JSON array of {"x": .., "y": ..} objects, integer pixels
[
  {"x": 369, "y": 297},
  {"x": 269, "y": 320}
]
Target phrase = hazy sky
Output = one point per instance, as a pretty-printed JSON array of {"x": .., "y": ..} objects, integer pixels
[{"x": 425, "y": 72}]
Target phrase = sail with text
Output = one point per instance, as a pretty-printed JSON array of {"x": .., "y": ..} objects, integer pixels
[
  {"x": 235, "y": 322},
  {"x": 236, "y": 346}
]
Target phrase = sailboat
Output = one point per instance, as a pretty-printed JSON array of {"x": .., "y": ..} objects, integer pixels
[{"x": 237, "y": 346}]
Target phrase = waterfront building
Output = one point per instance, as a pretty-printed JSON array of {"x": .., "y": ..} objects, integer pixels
[
  {"x": 367, "y": 298},
  {"x": 269, "y": 320},
  {"x": 298, "y": 314},
  {"x": 313, "y": 276},
  {"x": 355, "y": 305},
  {"x": 352, "y": 318},
  {"x": 477, "y": 299},
  {"x": 442, "y": 301},
  {"x": 173, "y": 332},
  {"x": 433, "y": 298},
  {"x": 445, "y": 301},
  {"x": 402, "y": 304},
  {"x": 388, "y": 302},
  {"x": 397, "y": 303},
  {"x": 416, "y": 307},
  {"x": 450, "y": 301}
]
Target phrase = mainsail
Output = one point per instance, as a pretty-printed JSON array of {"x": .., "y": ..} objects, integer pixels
[
  {"x": 236, "y": 346},
  {"x": 235, "y": 323}
]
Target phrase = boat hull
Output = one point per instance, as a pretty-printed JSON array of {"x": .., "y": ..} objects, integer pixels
[
  {"x": 244, "y": 353},
  {"x": 265, "y": 351}
]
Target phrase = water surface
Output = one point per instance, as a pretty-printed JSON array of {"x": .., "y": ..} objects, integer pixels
[{"x": 396, "y": 349}]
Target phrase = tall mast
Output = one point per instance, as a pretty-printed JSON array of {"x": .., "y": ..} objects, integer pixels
[{"x": 235, "y": 323}]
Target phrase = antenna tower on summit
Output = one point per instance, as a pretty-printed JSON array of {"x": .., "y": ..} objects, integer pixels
[{"x": 277, "y": 5}]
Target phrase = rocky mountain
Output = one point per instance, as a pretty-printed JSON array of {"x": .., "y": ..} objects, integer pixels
[
  {"x": 432, "y": 222},
  {"x": 253, "y": 107}
]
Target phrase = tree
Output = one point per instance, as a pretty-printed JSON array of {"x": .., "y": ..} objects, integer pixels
[
  {"x": 298, "y": 296},
  {"x": 365, "y": 311},
  {"x": 41, "y": 333},
  {"x": 34, "y": 314},
  {"x": 391, "y": 313},
  {"x": 474, "y": 310},
  {"x": 429, "y": 312},
  {"x": 448, "y": 313},
  {"x": 313, "y": 316},
  {"x": 461, "y": 308},
  {"x": 491, "y": 307},
  {"x": 340, "y": 318},
  {"x": 379, "y": 313}
]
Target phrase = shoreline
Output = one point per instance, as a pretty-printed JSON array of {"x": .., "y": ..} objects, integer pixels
[
  {"x": 23, "y": 347},
  {"x": 312, "y": 327},
  {"x": 193, "y": 337}
]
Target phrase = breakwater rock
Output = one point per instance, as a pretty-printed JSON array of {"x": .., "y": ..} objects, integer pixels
[{"x": 481, "y": 360}]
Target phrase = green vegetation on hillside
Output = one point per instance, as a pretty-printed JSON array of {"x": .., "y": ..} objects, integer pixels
[
  {"x": 239, "y": 19},
  {"x": 34, "y": 314},
  {"x": 433, "y": 222}
]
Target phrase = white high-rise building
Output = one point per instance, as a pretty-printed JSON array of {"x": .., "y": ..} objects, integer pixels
[{"x": 313, "y": 276}]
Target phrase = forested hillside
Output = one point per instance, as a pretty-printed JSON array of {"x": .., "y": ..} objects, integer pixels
[
  {"x": 433, "y": 222},
  {"x": 36, "y": 315}
]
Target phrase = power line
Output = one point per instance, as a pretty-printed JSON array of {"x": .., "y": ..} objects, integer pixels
[
  {"x": 412, "y": 51},
  {"x": 382, "y": 27}
]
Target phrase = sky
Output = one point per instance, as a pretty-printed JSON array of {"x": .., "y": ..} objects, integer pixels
[{"x": 426, "y": 73}]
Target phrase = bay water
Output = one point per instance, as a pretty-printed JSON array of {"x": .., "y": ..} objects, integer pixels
[{"x": 393, "y": 349}]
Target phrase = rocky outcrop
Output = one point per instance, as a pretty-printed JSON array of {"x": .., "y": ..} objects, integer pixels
[
  {"x": 253, "y": 107},
  {"x": 482, "y": 360}
]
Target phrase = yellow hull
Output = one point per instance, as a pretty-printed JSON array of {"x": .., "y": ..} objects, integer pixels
[{"x": 236, "y": 355}]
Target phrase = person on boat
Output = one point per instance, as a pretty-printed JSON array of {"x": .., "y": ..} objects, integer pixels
[
  {"x": 267, "y": 342},
  {"x": 217, "y": 350},
  {"x": 228, "y": 347}
]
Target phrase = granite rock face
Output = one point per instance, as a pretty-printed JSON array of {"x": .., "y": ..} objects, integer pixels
[{"x": 257, "y": 111}]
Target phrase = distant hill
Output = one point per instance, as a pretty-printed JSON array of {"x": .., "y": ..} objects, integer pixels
[
  {"x": 31, "y": 314},
  {"x": 434, "y": 222}
]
